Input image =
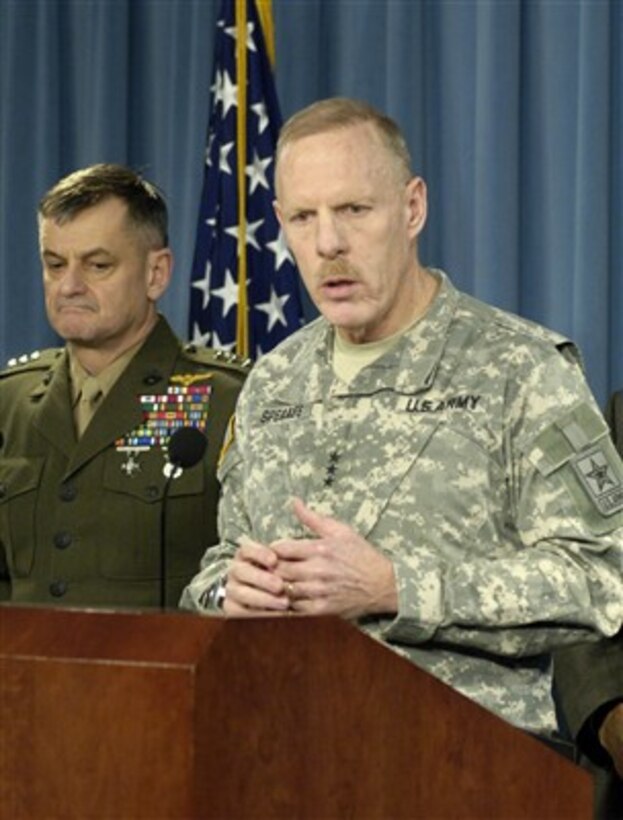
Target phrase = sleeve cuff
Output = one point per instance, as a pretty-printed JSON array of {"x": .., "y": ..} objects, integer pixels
[{"x": 420, "y": 600}]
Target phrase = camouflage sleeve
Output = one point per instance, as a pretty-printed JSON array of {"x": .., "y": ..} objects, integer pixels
[
  {"x": 232, "y": 523},
  {"x": 560, "y": 579}
]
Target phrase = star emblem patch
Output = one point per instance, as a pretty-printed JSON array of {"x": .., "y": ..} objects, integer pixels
[{"x": 600, "y": 480}]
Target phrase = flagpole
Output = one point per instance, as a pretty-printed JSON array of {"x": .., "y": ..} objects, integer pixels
[
  {"x": 244, "y": 287},
  {"x": 242, "y": 324},
  {"x": 265, "y": 13}
]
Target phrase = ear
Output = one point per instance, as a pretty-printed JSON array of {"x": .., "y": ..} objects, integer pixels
[
  {"x": 278, "y": 213},
  {"x": 159, "y": 270},
  {"x": 282, "y": 223},
  {"x": 416, "y": 206}
]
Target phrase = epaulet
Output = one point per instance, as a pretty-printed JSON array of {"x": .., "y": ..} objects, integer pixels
[
  {"x": 28, "y": 362},
  {"x": 217, "y": 358}
]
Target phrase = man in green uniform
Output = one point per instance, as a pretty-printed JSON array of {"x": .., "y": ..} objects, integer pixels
[{"x": 84, "y": 428}]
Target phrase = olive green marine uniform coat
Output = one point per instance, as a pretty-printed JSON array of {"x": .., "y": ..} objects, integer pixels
[{"x": 80, "y": 521}]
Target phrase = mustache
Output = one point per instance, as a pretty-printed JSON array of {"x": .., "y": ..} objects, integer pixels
[{"x": 338, "y": 269}]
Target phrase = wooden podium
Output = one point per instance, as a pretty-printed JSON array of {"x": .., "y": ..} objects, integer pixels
[{"x": 157, "y": 715}]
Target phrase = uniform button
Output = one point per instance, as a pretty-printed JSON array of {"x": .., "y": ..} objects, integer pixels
[
  {"x": 62, "y": 540},
  {"x": 152, "y": 378},
  {"x": 58, "y": 588},
  {"x": 152, "y": 491},
  {"x": 67, "y": 492}
]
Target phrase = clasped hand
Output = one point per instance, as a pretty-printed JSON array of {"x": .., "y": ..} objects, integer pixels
[{"x": 334, "y": 572}]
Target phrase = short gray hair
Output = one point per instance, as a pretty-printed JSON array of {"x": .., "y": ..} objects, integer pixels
[{"x": 341, "y": 112}]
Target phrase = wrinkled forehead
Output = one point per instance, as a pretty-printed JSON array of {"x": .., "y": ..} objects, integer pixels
[
  {"x": 356, "y": 151},
  {"x": 103, "y": 225},
  {"x": 108, "y": 221},
  {"x": 108, "y": 210},
  {"x": 362, "y": 134}
]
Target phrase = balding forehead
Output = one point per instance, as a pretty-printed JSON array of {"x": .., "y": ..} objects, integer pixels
[{"x": 360, "y": 139}]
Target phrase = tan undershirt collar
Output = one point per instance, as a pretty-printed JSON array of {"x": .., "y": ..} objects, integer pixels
[
  {"x": 87, "y": 391},
  {"x": 349, "y": 358}
]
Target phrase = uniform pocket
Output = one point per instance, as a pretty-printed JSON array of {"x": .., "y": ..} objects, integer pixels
[
  {"x": 132, "y": 505},
  {"x": 19, "y": 481}
]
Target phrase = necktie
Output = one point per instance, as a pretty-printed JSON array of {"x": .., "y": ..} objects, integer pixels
[{"x": 87, "y": 404}]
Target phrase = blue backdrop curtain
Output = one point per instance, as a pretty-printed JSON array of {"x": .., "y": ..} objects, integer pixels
[{"x": 513, "y": 110}]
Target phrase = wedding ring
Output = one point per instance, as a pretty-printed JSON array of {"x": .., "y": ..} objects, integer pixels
[{"x": 290, "y": 590}]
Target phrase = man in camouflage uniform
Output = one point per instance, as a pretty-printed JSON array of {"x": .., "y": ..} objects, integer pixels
[
  {"x": 415, "y": 460},
  {"x": 84, "y": 428}
]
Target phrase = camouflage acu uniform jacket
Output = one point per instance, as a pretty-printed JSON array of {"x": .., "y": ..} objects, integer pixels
[
  {"x": 474, "y": 456},
  {"x": 80, "y": 520}
]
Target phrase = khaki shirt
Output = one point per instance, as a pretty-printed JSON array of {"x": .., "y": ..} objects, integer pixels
[{"x": 88, "y": 391}]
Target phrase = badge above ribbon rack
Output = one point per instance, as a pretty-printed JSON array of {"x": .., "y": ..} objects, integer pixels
[{"x": 185, "y": 404}]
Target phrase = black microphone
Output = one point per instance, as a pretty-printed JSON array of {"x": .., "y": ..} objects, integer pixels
[{"x": 186, "y": 448}]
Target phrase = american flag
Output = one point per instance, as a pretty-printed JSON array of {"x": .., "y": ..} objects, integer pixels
[{"x": 244, "y": 286}]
